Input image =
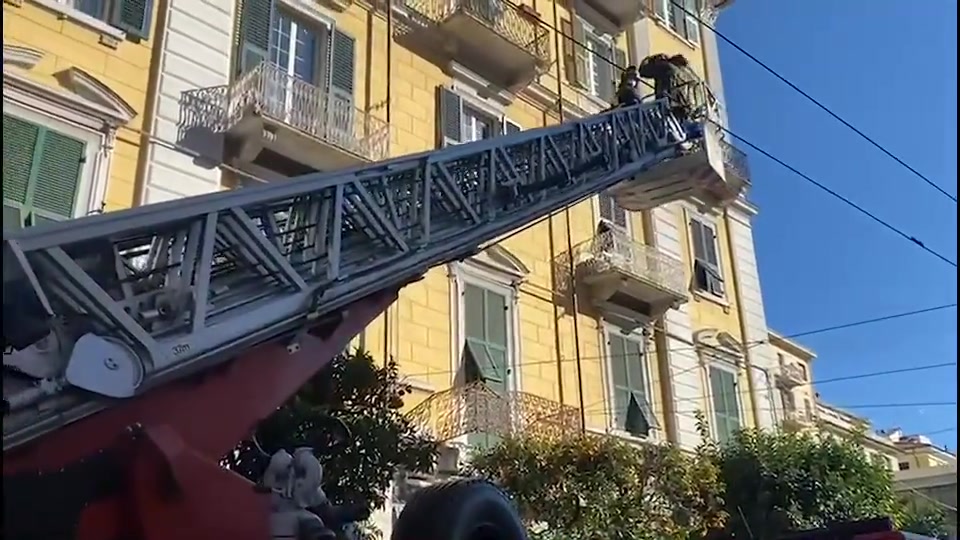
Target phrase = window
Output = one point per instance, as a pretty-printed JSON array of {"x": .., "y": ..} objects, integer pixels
[
  {"x": 590, "y": 60},
  {"x": 486, "y": 352},
  {"x": 684, "y": 23},
  {"x": 726, "y": 403},
  {"x": 904, "y": 466},
  {"x": 462, "y": 122},
  {"x": 42, "y": 172},
  {"x": 630, "y": 388},
  {"x": 131, "y": 16},
  {"x": 613, "y": 214},
  {"x": 485, "y": 332},
  {"x": 706, "y": 258},
  {"x": 299, "y": 50}
]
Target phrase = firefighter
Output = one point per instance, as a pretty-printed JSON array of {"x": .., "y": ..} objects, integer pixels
[
  {"x": 627, "y": 92},
  {"x": 671, "y": 78}
]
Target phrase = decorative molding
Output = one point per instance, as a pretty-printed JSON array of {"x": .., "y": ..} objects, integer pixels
[
  {"x": 89, "y": 87},
  {"x": 550, "y": 101},
  {"x": 715, "y": 344},
  {"x": 499, "y": 259},
  {"x": 480, "y": 86},
  {"x": 21, "y": 56}
]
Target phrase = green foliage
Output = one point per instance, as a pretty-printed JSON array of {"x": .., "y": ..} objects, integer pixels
[
  {"x": 778, "y": 481},
  {"x": 923, "y": 517},
  {"x": 365, "y": 397},
  {"x": 584, "y": 488}
]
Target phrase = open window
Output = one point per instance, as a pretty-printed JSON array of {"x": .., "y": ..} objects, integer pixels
[
  {"x": 707, "y": 276},
  {"x": 630, "y": 384}
]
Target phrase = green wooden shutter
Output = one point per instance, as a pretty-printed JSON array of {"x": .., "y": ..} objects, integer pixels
[
  {"x": 632, "y": 410},
  {"x": 254, "y": 43},
  {"x": 41, "y": 173},
  {"x": 133, "y": 17},
  {"x": 726, "y": 409},
  {"x": 450, "y": 118},
  {"x": 19, "y": 146},
  {"x": 486, "y": 334},
  {"x": 342, "y": 65}
]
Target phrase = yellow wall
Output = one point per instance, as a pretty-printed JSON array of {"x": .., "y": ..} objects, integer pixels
[
  {"x": 420, "y": 332},
  {"x": 124, "y": 69}
]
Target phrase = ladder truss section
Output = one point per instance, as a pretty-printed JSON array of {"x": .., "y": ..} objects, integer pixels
[{"x": 118, "y": 303}]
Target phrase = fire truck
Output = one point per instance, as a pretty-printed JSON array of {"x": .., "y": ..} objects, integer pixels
[{"x": 142, "y": 345}]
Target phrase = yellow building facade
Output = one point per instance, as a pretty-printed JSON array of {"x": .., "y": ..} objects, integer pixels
[
  {"x": 75, "y": 86},
  {"x": 672, "y": 325}
]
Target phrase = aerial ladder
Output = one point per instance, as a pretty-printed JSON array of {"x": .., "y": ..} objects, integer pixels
[{"x": 141, "y": 346}]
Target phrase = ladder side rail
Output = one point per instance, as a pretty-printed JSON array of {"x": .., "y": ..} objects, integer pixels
[{"x": 454, "y": 200}]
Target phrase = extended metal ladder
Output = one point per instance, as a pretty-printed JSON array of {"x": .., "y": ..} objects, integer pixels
[{"x": 119, "y": 303}]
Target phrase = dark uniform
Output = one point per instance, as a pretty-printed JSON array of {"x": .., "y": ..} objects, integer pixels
[
  {"x": 627, "y": 92},
  {"x": 672, "y": 80}
]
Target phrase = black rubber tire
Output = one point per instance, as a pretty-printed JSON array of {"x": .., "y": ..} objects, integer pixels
[{"x": 463, "y": 509}]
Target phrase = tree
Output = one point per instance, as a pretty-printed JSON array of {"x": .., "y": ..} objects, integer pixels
[
  {"x": 367, "y": 399},
  {"x": 923, "y": 517},
  {"x": 589, "y": 487},
  {"x": 781, "y": 481}
]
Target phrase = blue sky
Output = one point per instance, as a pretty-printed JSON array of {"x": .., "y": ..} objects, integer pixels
[{"x": 889, "y": 68}]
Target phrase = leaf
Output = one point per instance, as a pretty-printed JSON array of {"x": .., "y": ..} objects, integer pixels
[{"x": 367, "y": 398}]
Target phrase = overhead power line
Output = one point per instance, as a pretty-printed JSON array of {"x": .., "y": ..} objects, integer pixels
[
  {"x": 912, "y": 239},
  {"x": 816, "y": 102}
]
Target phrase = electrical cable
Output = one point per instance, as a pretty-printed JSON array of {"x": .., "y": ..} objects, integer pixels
[
  {"x": 813, "y": 100},
  {"x": 831, "y": 328},
  {"x": 842, "y": 198}
]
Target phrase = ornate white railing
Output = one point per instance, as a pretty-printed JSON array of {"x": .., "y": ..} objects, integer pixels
[
  {"x": 476, "y": 408},
  {"x": 615, "y": 249},
  {"x": 271, "y": 92}
]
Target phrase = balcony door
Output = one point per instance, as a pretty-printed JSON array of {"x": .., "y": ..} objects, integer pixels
[{"x": 294, "y": 83}]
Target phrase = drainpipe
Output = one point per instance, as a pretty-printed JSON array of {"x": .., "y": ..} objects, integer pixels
[{"x": 388, "y": 107}]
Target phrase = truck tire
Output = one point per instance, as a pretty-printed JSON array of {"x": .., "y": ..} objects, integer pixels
[{"x": 459, "y": 510}]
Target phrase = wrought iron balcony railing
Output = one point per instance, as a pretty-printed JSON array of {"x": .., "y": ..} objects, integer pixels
[
  {"x": 272, "y": 93},
  {"x": 615, "y": 250},
  {"x": 506, "y": 19},
  {"x": 476, "y": 408}
]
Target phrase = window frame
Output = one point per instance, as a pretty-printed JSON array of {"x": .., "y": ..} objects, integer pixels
[
  {"x": 608, "y": 329},
  {"x": 625, "y": 229},
  {"x": 663, "y": 10},
  {"x": 463, "y": 274},
  {"x": 713, "y": 227},
  {"x": 733, "y": 370},
  {"x": 92, "y": 185},
  {"x": 468, "y": 100},
  {"x": 592, "y": 35}
]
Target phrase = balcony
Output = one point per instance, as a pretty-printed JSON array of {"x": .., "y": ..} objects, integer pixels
[
  {"x": 497, "y": 40},
  {"x": 790, "y": 376},
  {"x": 628, "y": 279},
  {"x": 709, "y": 168},
  {"x": 476, "y": 409},
  {"x": 798, "y": 419},
  {"x": 269, "y": 109}
]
